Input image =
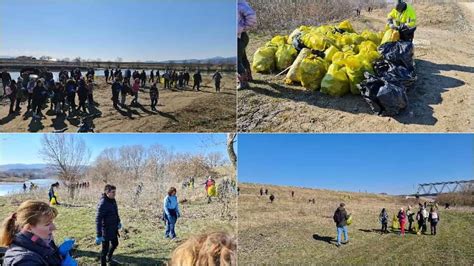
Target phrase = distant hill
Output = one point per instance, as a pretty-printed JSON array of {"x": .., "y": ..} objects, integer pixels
[
  {"x": 25, "y": 171},
  {"x": 214, "y": 60},
  {"x": 20, "y": 166}
]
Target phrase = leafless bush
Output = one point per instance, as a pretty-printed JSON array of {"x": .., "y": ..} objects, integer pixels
[
  {"x": 279, "y": 15},
  {"x": 464, "y": 198}
]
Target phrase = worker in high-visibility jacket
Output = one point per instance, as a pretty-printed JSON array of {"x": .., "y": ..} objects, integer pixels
[{"x": 403, "y": 19}]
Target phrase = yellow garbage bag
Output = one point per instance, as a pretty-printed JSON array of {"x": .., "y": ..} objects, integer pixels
[
  {"x": 346, "y": 26},
  {"x": 371, "y": 36},
  {"x": 314, "y": 40},
  {"x": 390, "y": 36},
  {"x": 279, "y": 40},
  {"x": 339, "y": 57},
  {"x": 324, "y": 29},
  {"x": 312, "y": 70},
  {"x": 356, "y": 66},
  {"x": 356, "y": 38},
  {"x": 264, "y": 59},
  {"x": 349, "y": 220},
  {"x": 53, "y": 200},
  {"x": 367, "y": 46},
  {"x": 343, "y": 40},
  {"x": 329, "y": 53},
  {"x": 335, "y": 82},
  {"x": 285, "y": 55},
  {"x": 294, "y": 74},
  {"x": 395, "y": 223},
  {"x": 212, "y": 191}
]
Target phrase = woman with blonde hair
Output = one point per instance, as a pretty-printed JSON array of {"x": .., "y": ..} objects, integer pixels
[
  {"x": 208, "y": 249},
  {"x": 28, "y": 235}
]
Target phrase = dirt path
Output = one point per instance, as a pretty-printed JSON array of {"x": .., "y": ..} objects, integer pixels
[
  {"x": 441, "y": 101},
  {"x": 175, "y": 112}
]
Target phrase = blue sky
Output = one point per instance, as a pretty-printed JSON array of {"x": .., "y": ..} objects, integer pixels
[
  {"x": 130, "y": 29},
  {"x": 391, "y": 163},
  {"x": 23, "y": 148}
]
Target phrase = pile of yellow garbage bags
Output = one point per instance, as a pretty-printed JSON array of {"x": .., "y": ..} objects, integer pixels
[{"x": 333, "y": 60}]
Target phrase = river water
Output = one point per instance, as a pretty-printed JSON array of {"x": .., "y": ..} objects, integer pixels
[{"x": 17, "y": 187}]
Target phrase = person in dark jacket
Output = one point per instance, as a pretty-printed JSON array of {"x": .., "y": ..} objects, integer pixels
[
  {"x": 154, "y": 95},
  {"x": 340, "y": 218},
  {"x": 106, "y": 74},
  {"x": 152, "y": 77},
  {"x": 143, "y": 78},
  {"x": 39, "y": 96},
  {"x": 82, "y": 93},
  {"x": 71, "y": 87},
  {"x": 6, "y": 78},
  {"x": 217, "y": 80},
  {"x": 186, "y": 78},
  {"x": 383, "y": 218},
  {"x": 197, "y": 80},
  {"x": 107, "y": 224},
  {"x": 28, "y": 234},
  {"x": 116, "y": 89},
  {"x": 53, "y": 199}
]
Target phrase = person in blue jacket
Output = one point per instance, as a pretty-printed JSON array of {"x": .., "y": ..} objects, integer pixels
[
  {"x": 107, "y": 225},
  {"x": 171, "y": 213}
]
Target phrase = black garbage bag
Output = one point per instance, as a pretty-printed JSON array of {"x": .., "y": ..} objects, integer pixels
[
  {"x": 383, "y": 96},
  {"x": 398, "y": 53},
  {"x": 407, "y": 33},
  {"x": 393, "y": 98},
  {"x": 369, "y": 88},
  {"x": 297, "y": 43},
  {"x": 391, "y": 72}
]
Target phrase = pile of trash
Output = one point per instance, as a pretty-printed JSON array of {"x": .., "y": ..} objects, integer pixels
[{"x": 337, "y": 61}]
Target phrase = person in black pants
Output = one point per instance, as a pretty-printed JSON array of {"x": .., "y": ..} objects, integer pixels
[
  {"x": 154, "y": 96},
  {"x": 107, "y": 224},
  {"x": 197, "y": 80},
  {"x": 116, "y": 89}
]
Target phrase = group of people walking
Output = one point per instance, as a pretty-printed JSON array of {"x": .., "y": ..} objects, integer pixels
[{"x": 417, "y": 222}]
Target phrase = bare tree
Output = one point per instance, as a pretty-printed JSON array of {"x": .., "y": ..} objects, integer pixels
[
  {"x": 133, "y": 159},
  {"x": 214, "y": 159},
  {"x": 231, "y": 138},
  {"x": 67, "y": 155},
  {"x": 106, "y": 164}
]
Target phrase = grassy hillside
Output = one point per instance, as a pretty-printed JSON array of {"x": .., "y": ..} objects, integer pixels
[{"x": 294, "y": 231}]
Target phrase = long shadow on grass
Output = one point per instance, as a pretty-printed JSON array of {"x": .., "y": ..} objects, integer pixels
[
  {"x": 379, "y": 231},
  {"x": 349, "y": 103},
  {"x": 327, "y": 239},
  {"x": 122, "y": 258},
  {"x": 429, "y": 87}
]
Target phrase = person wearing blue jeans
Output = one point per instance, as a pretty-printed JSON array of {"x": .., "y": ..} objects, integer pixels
[
  {"x": 171, "y": 213},
  {"x": 340, "y": 218}
]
